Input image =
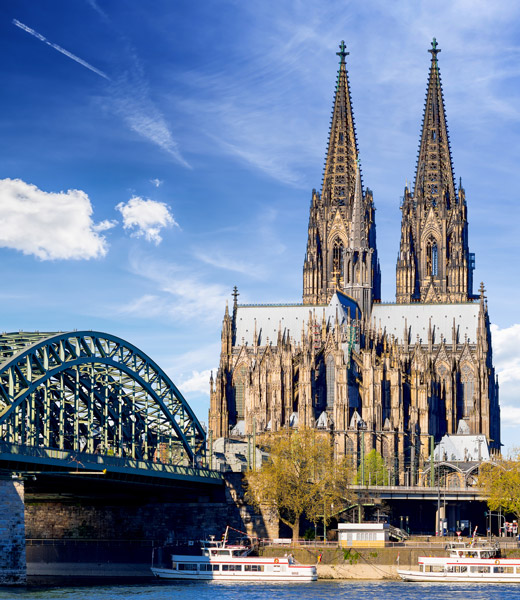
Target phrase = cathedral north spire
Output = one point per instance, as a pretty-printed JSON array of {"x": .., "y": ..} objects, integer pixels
[
  {"x": 434, "y": 263},
  {"x": 434, "y": 174}
]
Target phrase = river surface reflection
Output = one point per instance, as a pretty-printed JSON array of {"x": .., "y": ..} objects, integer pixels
[{"x": 321, "y": 590}]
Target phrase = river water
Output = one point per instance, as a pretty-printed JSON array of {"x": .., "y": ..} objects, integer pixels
[{"x": 321, "y": 590}]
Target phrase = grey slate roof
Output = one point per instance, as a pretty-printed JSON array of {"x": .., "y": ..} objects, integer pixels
[
  {"x": 392, "y": 317},
  {"x": 462, "y": 448},
  {"x": 292, "y": 318}
]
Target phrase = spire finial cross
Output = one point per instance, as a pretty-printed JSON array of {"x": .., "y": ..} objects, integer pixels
[
  {"x": 434, "y": 50},
  {"x": 342, "y": 52},
  {"x": 235, "y": 295}
]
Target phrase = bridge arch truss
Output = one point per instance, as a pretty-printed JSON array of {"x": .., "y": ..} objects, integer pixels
[{"x": 92, "y": 392}]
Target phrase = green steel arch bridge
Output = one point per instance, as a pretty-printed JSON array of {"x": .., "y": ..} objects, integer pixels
[{"x": 91, "y": 403}]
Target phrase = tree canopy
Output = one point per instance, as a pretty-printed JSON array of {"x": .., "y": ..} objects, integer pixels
[
  {"x": 301, "y": 477},
  {"x": 500, "y": 483},
  {"x": 374, "y": 471}
]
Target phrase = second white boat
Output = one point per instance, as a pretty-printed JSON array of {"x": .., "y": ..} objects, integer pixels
[
  {"x": 220, "y": 561},
  {"x": 466, "y": 563}
]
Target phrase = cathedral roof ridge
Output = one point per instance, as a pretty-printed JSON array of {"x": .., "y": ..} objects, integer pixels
[{"x": 271, "y": 304}]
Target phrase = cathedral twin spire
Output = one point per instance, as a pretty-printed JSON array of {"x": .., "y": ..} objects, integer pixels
[
  {"x": 434, "y": 264},
  {"x": 339, "y": 177},
  {"x": 342, "y": 216},
  {"x": 434, "y": 174}
]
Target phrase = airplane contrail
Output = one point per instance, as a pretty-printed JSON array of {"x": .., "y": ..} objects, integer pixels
[{"x": 40, "y": 37}]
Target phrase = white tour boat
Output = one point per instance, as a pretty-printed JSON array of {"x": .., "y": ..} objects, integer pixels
[
  {"x": 221, "y": 561},
  {"x": 466, "y": 562}
]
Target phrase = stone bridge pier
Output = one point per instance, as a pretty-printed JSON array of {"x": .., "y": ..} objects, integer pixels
[{"x": 12, "y": 532}]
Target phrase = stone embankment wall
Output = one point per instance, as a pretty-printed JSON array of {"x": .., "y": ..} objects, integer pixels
[
  {"x": 138, "y": 518},
  {"x": 12, "y": 532}
]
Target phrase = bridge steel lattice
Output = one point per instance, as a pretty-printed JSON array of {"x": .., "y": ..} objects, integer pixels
[{"x": 94, "y": 394}]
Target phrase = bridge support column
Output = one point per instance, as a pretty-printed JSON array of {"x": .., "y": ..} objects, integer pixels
[{"x": 13, "y": 569}]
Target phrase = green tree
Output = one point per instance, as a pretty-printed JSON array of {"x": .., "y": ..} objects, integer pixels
[
  {"x": 374, "y": 472},
  {"x": 300, "y": 478},
  {"x": 500, "y": 483}
]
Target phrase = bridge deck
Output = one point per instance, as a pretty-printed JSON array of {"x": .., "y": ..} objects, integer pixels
[
  {"x": 390, "y": 492},
  {"x": 44, "y": 459}
]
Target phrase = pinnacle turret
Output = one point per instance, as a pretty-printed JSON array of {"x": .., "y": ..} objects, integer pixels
[{"x": 358, "y": 238}]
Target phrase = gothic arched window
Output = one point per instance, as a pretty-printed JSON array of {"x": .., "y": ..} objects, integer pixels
[
  {"x": 337, "y": 260},
  {"x": 239, "y": 385},
  {"x": 432, "y": 257},
  {"x": 467, "y": 389},
  {"x": 331, "y": 380}
]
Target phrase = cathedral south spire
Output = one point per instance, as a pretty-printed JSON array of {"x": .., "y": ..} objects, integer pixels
[
  {"x": 331, "y": 222},
  {"x": 434, "y": 263}
]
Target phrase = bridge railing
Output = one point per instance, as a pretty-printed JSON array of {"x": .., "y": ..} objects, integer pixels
[
  {"x": 418, "y": 488},
  {"x": 83, "y": 460}
]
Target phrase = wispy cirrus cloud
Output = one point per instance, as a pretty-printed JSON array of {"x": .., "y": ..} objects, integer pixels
[
  {"x": 176, "y": 293},
  {"x": 134, "y": 106},
  {"x": 129, "y": 97},
  {"x": 98, "y": 9},
  {"x": 231, "y": 263},
  {"x": 49, "y": 225},
  {"x": 266, "y": 110}
]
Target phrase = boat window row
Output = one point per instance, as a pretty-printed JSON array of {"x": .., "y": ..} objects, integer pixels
[
  {"x": 186, "y": 567},
  {"x": 469, "y": 569},
  {"x": 204, "y": 567}
]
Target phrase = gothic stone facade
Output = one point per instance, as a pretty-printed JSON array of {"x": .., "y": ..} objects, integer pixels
[{"x": 392, "y": 377}]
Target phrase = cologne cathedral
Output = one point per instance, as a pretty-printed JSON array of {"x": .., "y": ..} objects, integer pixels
[{"x": 391, "y": 377}]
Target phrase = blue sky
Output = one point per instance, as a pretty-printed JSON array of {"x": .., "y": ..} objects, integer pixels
[{"x": 154, "y": 155}]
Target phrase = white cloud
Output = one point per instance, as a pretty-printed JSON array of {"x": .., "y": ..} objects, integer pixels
[
  {"x": 506, "y": 347},
  {"x": 146, "y": 217},
  {"x": 510, "y": 415},
  {"x": 198, "y": 382},
  {"x": 105, "y": 225},
  {"x": 46, "y": 224},
  {"x": 156, "y": 182},
  {"x": 506, "y": 352}
]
